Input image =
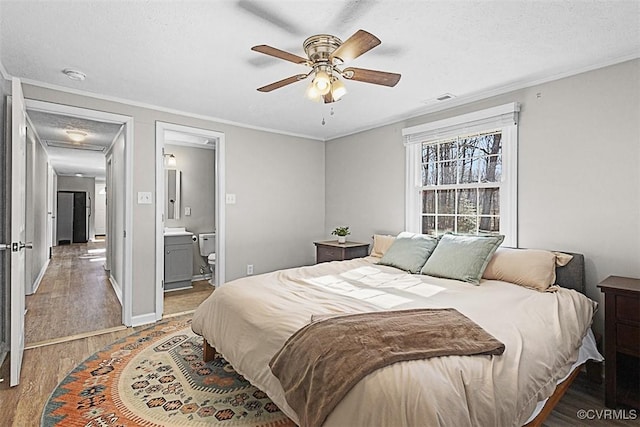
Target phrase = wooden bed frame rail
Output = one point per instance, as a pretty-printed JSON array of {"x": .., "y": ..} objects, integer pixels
[{"x": 554, "y": 399}]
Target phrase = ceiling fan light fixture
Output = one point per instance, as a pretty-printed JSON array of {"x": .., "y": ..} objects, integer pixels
[
  {"x": 312, "y": 93},
  {"x": 322, "y": 82},
  {"x": 338, "y": 89},
  {"x": 76, "y": 135}
]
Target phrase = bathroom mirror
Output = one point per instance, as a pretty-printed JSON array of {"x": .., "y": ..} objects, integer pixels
[{"x": 172, "y": 193}]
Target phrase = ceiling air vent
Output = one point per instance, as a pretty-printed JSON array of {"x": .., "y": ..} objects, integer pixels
[{"x": 445, "y": 96}]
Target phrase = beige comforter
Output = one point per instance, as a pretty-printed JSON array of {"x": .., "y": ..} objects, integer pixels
[
  {"x": 321, "y": 362},
  {"x": 249, "y": 320}
]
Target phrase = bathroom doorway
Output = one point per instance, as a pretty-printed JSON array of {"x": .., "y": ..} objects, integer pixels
[{"x": 190, "y": 212}]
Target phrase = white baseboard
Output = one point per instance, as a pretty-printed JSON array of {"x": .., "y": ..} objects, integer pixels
[
  {"x": 116, "y": 288},
  {"x": 36, "y": 284},
  {"x": 143, "y": 319}
]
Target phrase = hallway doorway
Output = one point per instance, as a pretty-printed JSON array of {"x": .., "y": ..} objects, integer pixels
[{"x": 77, "y": 143}]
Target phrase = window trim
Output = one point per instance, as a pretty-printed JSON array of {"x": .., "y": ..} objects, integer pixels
[{"x": 503, "y": 117}]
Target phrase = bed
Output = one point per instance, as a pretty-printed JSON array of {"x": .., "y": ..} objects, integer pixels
[{"x": 546, "y": 337}]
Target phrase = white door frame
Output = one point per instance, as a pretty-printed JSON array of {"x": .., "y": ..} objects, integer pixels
[
  {"x": 127, "y": 121},
  {"x": 220, "y": 228},
  {"x": 109, "y": 202}
]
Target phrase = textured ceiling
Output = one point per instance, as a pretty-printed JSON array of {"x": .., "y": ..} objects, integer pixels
[
  {"x": 194, "y": 56},
  {"x": 51, "y": 128}
]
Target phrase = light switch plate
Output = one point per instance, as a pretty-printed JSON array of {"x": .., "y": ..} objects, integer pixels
[
  {"x": 144, "y": 197},
  {"x": 231, "y": 199},
  {"x": 187, "y": 211}
]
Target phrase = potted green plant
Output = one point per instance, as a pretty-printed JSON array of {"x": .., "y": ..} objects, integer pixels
[{"x": 342, "y": 233}]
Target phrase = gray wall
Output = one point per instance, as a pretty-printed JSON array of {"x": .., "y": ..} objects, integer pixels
[
  {"x": 278, "y": 181},
  {"x": 36, "y": 211},
  {"x": 86, "y": 184},
  {"x": 578, "y": 176},
  {"x": 197, "y": 192}
]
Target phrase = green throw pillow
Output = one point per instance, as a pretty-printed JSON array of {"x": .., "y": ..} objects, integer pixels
[
  {"x": 409, "y": 252},
  {"x": 462, "y": 257}
]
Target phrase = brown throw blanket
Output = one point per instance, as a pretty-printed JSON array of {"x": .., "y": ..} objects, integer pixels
[{"x": 321, "y": 362}]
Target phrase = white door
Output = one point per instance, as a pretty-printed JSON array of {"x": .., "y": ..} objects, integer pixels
[{"x": 18, "y": 200}]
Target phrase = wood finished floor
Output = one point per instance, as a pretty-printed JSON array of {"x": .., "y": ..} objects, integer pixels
[
  {"x": 188, "y": 299},
  {"x": 75, "y": 296},
  {"x": 586, "y": 395}
]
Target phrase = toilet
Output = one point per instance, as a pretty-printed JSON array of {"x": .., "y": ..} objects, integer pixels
[{"x": 207, "y": 243}]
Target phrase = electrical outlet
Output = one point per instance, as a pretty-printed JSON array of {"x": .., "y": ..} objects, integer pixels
[{"x": 249, "y": 269}]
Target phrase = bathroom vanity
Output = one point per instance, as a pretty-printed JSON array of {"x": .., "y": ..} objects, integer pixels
[{"x": 178, "y": 259}]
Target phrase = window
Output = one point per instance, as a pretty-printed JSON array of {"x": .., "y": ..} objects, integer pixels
[{"x": 461, "y": 174}]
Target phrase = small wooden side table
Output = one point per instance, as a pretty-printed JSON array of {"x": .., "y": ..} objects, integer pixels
[
  {"x": 621, "y": 340},
  {"x": 331, "y": 250}
]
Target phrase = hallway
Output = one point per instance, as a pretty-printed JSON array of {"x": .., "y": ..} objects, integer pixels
[{"x": 74, "y": 297}]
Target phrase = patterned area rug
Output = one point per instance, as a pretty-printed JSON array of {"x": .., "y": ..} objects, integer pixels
[{"x": 156, "y": 377}]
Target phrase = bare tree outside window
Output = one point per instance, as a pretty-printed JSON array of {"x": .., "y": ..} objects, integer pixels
[{"x": 461, "y": 180}]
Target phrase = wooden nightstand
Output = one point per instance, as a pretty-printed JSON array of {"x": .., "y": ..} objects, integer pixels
[
  {"x": 331, "y": 250},
  {"x": 621, "y": 340}
]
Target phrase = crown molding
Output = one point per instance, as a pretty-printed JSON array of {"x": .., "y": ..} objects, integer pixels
[
  {"x": 496, "y": 91},
  {"x": 162, "y": 109},
  {"x": 455, "y": 102}
]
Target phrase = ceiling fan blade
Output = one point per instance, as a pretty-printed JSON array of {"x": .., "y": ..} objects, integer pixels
[
  {"x": 355, "y": 46},
  {"x": 255, "y": 8},
  {"x": 283, "y": 82},
  {"x": 272, "y": 51},
  {"x": 371, "y": 76}
]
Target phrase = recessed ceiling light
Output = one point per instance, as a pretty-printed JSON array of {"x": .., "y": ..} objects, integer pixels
[
  {"x": 76, "y": 135},
  {"x": 78, "y": 175},
  {"x": 74, "y": 74}
]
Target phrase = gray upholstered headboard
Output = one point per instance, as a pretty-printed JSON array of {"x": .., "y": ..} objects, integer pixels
[{"x": 572, "y": 275}]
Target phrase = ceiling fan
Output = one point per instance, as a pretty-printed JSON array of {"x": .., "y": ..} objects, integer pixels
[{"x": 325, "y": 56}]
